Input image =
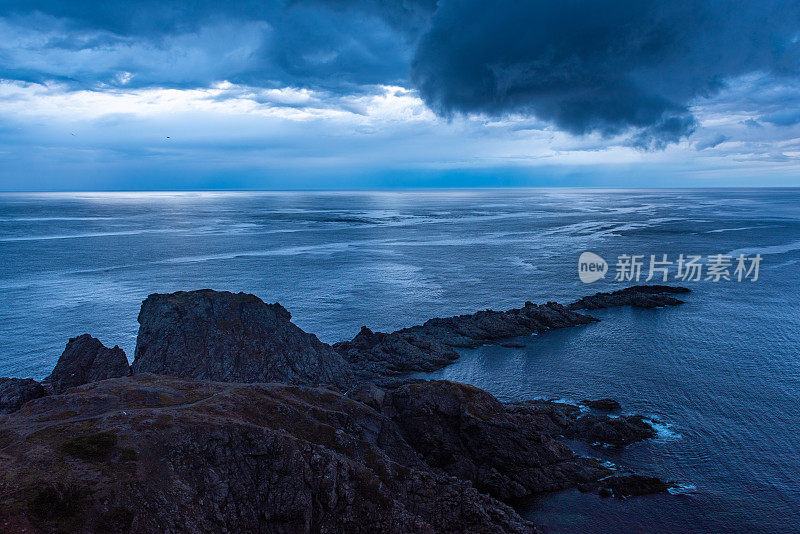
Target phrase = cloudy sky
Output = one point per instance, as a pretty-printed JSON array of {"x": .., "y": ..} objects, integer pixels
[{"x": 286, "y": 94}]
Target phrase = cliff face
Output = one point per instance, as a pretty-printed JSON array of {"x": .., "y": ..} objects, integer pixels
[
  {"x": 222, "y": 336},
  {"x": 467, "y": 433}
]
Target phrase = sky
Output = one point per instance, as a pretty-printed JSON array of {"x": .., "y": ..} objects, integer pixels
[{"x": 360, "y": 94}]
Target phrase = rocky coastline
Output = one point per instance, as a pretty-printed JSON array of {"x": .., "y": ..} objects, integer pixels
[{"x": 232, "y": 418}]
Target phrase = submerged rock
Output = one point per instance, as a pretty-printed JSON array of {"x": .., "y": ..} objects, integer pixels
[
  {"x": 14, "y": 392},
  {"x": 84, "y": 360},
  {"x": 627, "y": 485},
  {"x": 637, "y": 296},
  {"x": 217, "y": 335},
  {"x": 605, "y": 405}
]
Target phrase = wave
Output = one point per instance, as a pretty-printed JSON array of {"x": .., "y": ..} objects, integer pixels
[
  {"x": 47, "y": 219},
  {"x": 740, "y": 229},
  {"x": 83, "y": 236},
  {"x": 764, "y": 251}
]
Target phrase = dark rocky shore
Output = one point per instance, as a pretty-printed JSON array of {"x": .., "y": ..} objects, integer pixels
[{"x": 232, "y": 418}]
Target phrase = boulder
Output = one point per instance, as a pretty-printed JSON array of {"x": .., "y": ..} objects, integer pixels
[
  {"x": 231, "y": 337},
  {"x": 14, "y": 392},
  {"x": 84, "y": 360},
  {"x": 557, "y": 419}
]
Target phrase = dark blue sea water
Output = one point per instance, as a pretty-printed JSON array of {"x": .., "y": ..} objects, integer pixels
[{"x": 721, "y": 373}]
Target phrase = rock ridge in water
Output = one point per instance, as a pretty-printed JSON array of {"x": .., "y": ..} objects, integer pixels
[
  {"x": 218, "y": 335},
  {"x": 433, "y": 345},
  {"x": 652, "y": 296},
  {"x": 231, "y": 337}
]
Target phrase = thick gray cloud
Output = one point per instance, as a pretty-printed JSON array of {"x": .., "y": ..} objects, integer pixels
[
  {"x": 608, "y": 66},
  {"x": 600, "y": 65}
]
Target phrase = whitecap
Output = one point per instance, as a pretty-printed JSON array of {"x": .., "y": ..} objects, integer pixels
[
  {"x": 682, "y": 489},
  {"x": 664, "y": 431},
  {"x": 740, "y": 229}
]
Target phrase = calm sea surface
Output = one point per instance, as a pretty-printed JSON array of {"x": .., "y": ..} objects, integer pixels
[{"x": 721, "y": 373}]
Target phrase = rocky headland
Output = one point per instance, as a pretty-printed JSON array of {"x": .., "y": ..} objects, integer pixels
[{"x": 232, "y": 418}]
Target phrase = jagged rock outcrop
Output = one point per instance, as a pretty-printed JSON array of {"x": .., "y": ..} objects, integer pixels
[
  {"x": 14, "y": 392},
  {"x": 638, "y": 296},
  {"x": 377, "y": 353},
  {"x": 432, "y": 345},
  {"x": 157, "y": 454},
  {"x": 489, "y": 326},
  {"x": 231, "y": 337},
  {"x": 85, "y": 359}
]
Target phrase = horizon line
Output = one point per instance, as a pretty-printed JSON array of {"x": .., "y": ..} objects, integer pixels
[{"x": 393, "y": 189}]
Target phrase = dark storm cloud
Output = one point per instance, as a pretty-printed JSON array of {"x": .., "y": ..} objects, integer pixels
[
  {"x": 600, "y": 65},
  {"x": 604, "y": 66}
]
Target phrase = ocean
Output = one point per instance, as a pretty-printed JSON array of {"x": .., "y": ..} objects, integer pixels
[{"x": 720, "y": 374}]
